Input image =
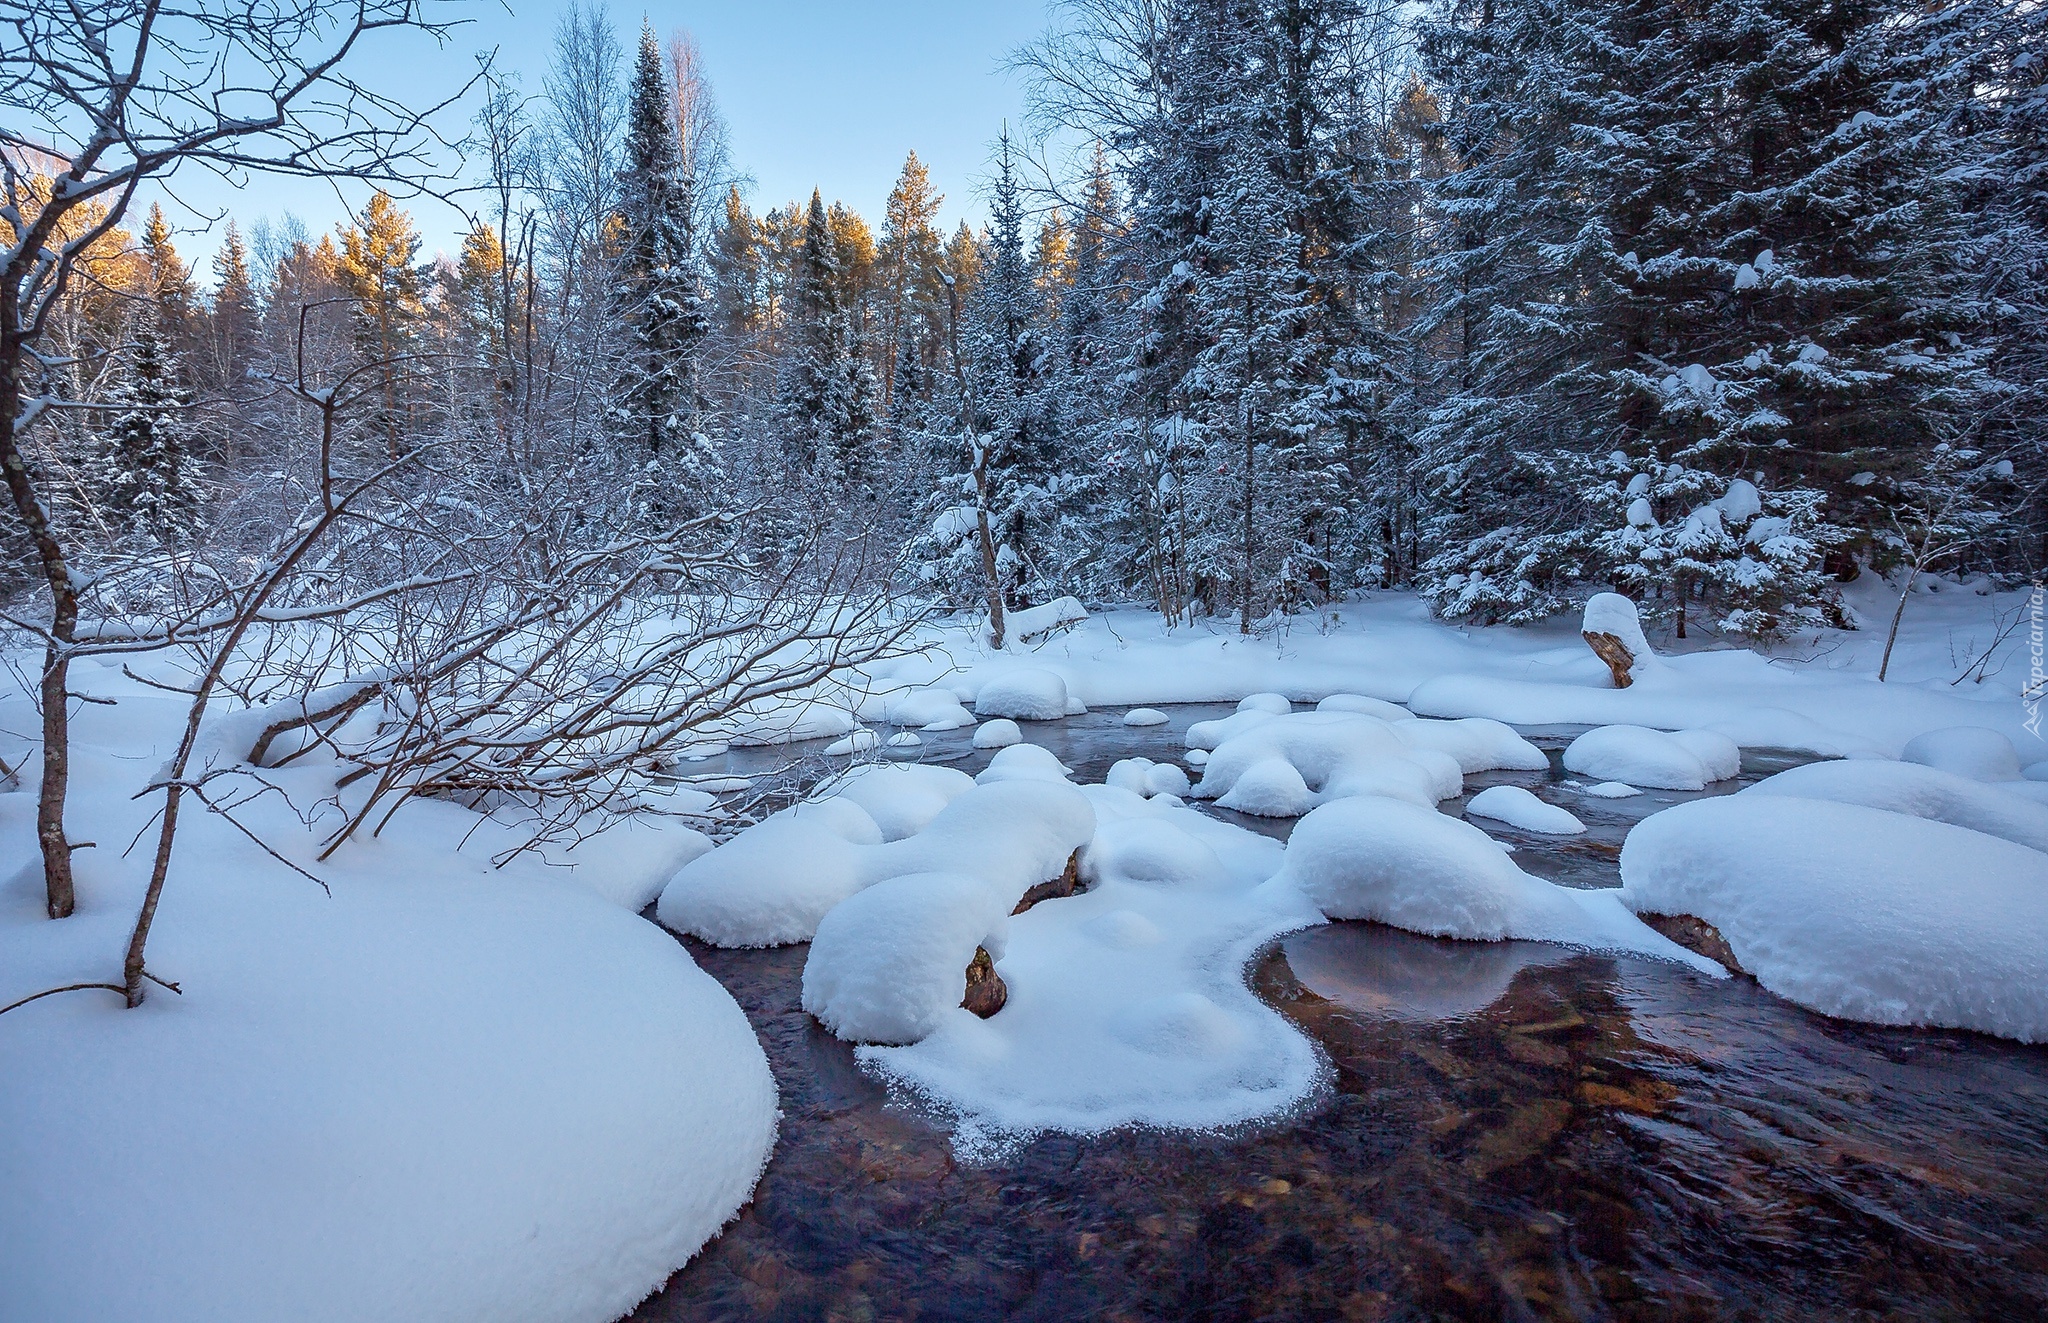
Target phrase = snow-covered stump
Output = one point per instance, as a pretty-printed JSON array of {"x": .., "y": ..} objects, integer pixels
[{"x": 1615, "y": 633}]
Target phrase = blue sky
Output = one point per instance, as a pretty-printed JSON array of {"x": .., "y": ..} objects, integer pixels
[{"x": 831, "y": 95}]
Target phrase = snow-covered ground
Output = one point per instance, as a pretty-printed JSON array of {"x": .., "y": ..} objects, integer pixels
[
  {"x": 436, "y": 1089},
  {"x": 433, "y": 1091}
]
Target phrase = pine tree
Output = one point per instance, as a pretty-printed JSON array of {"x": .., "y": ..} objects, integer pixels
[
  {"x": 657, "y": 399},
  {"x": 144, "y": 478},
  {"x": 828, "y": 397},
  {"x": 910, "y": 259},
  {"x": 236, "y": 315}
]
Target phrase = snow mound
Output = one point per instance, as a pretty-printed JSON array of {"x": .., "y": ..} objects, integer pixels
[
  {"x": 1412, "y": 867},
  {"x": 1372, "y": 707},
  {"x": 997, "y": 734},
  {"x": 1637, "y": 755},
  {"x": 1142, "y": 776},
  {"x": 768, "y": 886},
  {"x": 905, "y": 739},
  {"x": 1519, "y": 808},
  {"x": 1285, "y": 766},
  {"x": 1855, "y": 911},
  {"x": 1917, "y": 791},
  {"x": 925, "y": 707},
  {"x": 1208, "y": 735},
  {"x": 1611, "y": 790},
  {"x": 1972, "y": 751},
  {"x": 438, "y": 1095},
  {"x": 775, "y": 882},
  {"x": 890, "y": 964},
  {"x": 1145, "y": 716},
  {"x": 900, "y": 798},
  {"x": 1478, "y": 744},
  {"x": 1277, "y": 704},
  {"x": 1023, "y": 762},
  {"x": 1127, "y": 1003},
  {"x": 1026, "y": 694},
  {"x": 860, "y": 741}
]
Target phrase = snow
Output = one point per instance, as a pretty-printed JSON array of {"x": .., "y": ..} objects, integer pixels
[
  {"x": 1038, "y": 621},
  {"x": 1918, "y": 791},
  {"x": 900, "y": 798},
  {"x": 1521, "y": 808},
  {"x": 1855, "y": 911},
  {"x": 1477, "y": 743},
  {"x": 438, "y": 1090},
  {"x": 767, "y": 886},
  {"x": 1027, "y": 693},
  {"x": 997, "y": 733},
  {"x": 1372, "y": 707},
  {"x": 1145, "y": 716},
  {"x": 860, "y": 741},
  {"x": 1972, "y": 751},
  {"x": 924, "y": 706},
  {"x": 1142, "y": 776},
  {"x": 1399, "y": 863},
  {"x": 1283, "y": 766},
  {"x": 1023, "y": 762},
  {"x": 905, "y": 739},
  {"x": 1612, "y": 790},
  {"x": 1277, "y": 704},
  {"x": 888, "y": 964},
  {"x": 1637, "y": 755},
  {"x": 1127, "y": 1003}
]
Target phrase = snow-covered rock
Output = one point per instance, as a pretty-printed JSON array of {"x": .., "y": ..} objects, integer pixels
[
  {"x": 1026, "y": 694},
  {"x": 860, "y": 741},
  {"x": 1972, "y": 751},
  {"x": 1023, "y": 762},
  {"x": 925, "y": 707},
  {"x": 890, "y": 964},
  {"x": 1372, "y": 707},
  {"x": 1399, "y": 863},
  {"x": 1637, "y": 755},
  {"x": 1478, "y": 744},
  {"x": 767, "y": 886},
  {"x": 1612, "y": 790},
  {"x": 900, "y": 798},
  {"x": 1520, "y": 808},
  {"x": 1145, "y": 716},
  {"x": 997, "y": 734},
  {"x": 1277, "y": 704},
  {"x": 1142, "y": 776},
  {"x": 1855, "y": 911},
  {"x": 1207, "y": 735},
  {"x": 1918, "y": 791},
  {"x": 1284, "y": 766},
  {"x": 905, "y": 739}
]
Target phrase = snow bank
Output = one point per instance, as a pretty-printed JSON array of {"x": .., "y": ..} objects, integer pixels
[
  {"x": 1283, "y": 766},
  {"x": 1918, "y": 791},
  {"x": 1412, "y": 867},
  {"x": 1856, "y": 911},
  {"x": 1026, "y": 694},
  {"x": 890, "y": 963},
  {"x": 768, "y": 886},
  {"x": 1972, "y": 751},
  {"x": 445, "y": 1091},
  {"x": 1519, "y": 808},
  {"x": 1035, "y": 622},
  {"x": 1637, "y": 755}
]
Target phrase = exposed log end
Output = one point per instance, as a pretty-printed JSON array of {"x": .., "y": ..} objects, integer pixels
[{"x": 1610, "y": 649}]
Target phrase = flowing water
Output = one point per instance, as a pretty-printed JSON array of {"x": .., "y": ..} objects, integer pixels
[{"x": 1516, "y": 1131}]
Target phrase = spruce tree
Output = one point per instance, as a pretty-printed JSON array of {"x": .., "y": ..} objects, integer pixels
[
  {"x": 144, "y": 478},
  {"x": 657, "y": 398}
]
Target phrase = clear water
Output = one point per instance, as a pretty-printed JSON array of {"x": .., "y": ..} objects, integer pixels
[{"x": 1516, "y": 1132}]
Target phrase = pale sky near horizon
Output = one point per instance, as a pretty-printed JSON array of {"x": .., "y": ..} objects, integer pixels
[{"x": 816, "y": 94}]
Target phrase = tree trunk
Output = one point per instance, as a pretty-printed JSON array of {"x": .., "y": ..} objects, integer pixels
[
  {"x": 56, "y": 849},
  {"x": 1898, "y": 613}
]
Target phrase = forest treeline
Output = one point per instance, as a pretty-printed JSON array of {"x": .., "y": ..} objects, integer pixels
[{"x": 1499, "y": 300}]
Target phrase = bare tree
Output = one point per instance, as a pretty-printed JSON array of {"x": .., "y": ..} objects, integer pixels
[
  {"x": 1943, "y": 514},
  {"x": 119, "y": 93}
]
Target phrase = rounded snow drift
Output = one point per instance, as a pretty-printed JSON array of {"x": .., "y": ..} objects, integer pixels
[
  {"x": 1027, "y": 694},
  {"x": 1145, "y": 716},
  {"x": 1973, "y": 751},
  {"x": 1000, "y": 733}
]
